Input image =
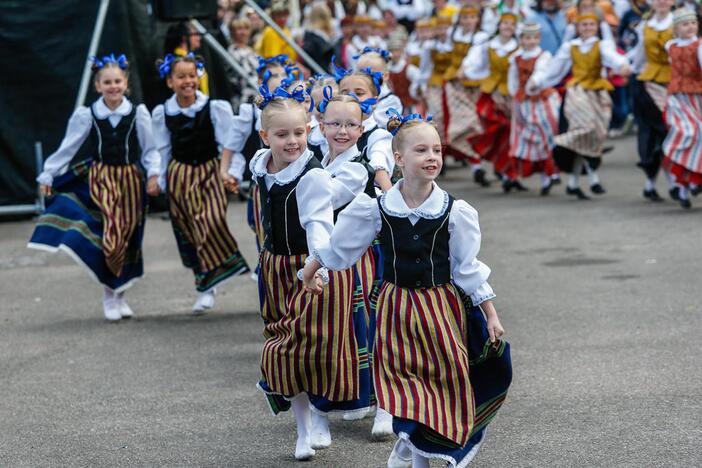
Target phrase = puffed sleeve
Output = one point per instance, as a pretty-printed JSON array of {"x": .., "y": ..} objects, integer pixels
[
  {"x": 349, "y": 181},
  {"x": 237, "y": 166},
  {"x": 162, "y": 140},
  {"x": 541, "y": 70},
  {"x": 76, "y": 132},
  {"x": 637, "y": 55},
  {"x": 314, "y": 204},
  {"x": 513, "y": 76},
  {"x": 241, "y": 129},
  {"x": 150, "y": 158},
  {"x": 379, "y": 151},
  {"x": 476, "y": 65},
  {"x": 356, "y": 227},
  {"x": 610, "y": 57},
  {"x": 560, "y": 66},
  {"x": 469, "y": 273},
  {"x": 426, "y": 66},
  {"x": 223, "y": 121}
]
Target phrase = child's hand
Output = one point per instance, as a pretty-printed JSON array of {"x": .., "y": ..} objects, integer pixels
[
  {"x": 494, "y": 327},
  {"x": 625, "y": 71},
  {"x": 152, "y": 187},
  {"x": 311, "y": 279},
  {"x": 45, "y": 190}
]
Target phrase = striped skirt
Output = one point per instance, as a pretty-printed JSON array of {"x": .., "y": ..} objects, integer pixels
[
  {"x": 309, "y": 344},
  {"x": 435, "y": 98},
  {"x": 492, "y": 144},
  {"x": 683, "y": 145},
  {"x": 588, "y": 113},
  {"x": 534, "y": 125},
  {"x": 198, "y": 209},
  {"x": 97, "y": 216},
  {"x": 463, "y": 120}
]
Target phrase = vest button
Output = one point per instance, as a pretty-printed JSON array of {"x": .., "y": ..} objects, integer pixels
[
  {"x": 415, "y": 237},
  {"x": 418, "y": 283},
  {"x": 417, "y": 260}
]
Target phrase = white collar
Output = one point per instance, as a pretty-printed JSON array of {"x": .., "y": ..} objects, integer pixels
[
  {"x": 683, "y": 42},
  {"x": 316, "y": 136},
  {"x": 259, "y": 166},
  {"x": 660, "y": 25},
  {"x": 344, "y": 157},
  {"x": 475, "y": 37},
  {"x": 384, "y": 91},
  {"x": 433, "y": 207},
  {"x": 369, "y": 124},
  {"x": 528, "y": 54},
  {"x": 313, "y": 123},
  {"x": 173, "y": 108},
  {"x": 444, "y": 45},
  {"x": 503, "y": 49},
  {"x": 579, "y": 41},
  {"x": 102, "y": 111}
]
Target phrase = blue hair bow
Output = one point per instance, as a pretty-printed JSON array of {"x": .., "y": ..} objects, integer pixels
[
  {"x": 120, "y": 61},
  {"x": 165, "y": 68},
  {"x": 366, "y": 106},
  {"x": 262, "y": 62},
  {"x": 368, "y": 50},
  {"x": 394, "y": 114},
  {"x": 339, "y": 72},
  {"x": 376, "y": 76},
  {"x": 297, "y": 94},
  {"x": 327, "y": 96}
]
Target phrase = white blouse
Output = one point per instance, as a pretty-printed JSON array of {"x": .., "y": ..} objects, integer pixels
[
  {"x": 562, "y": 62},
  {"x": 426, "y": 64},
  {"x": 469, "y": 37},
  {"x": 386, "y": 100},
  {"x": 360, "y": 223},
  {"x": 637, "y": 55},
  {"x": 379, "y": 147},
  {"x": 476, "y": 65},
  {"x": 605, "y": 30},
  {"x": 683, "y": 43},
  {"x": 222, "y": 120},
  {"x": 348, "y": 178},
  {"x": 537, "y": 77},
  {"x": 78, "y": 129}
]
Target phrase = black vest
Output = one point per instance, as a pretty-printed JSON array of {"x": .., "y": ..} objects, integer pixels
[
  {"x": 281, "y": 219},
  {"x": 253, "y": 144},
  {"x": 415, "y": 256},
  {"x": 192, "y": 138},
  {"x": 369, "y": 189},
  {"x": 114, "y": 146},
  {"x": 317, "y": 151}
]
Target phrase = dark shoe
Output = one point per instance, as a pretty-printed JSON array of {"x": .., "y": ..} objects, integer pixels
[
  {"x": 696, "y": 190},
  {"x": 597, "y": 189},
  {"x": 577, "y": 192},
  {"x": 518, "y": 186},
  {"x": 652, "y": 195},
  {"x": 480, "y": 179},
  {"x": 546, "y": 189},
  {"x": 674, "y": 193},
  {"x": 685, "y": 203},
  {"x": 556, "y": 180},
  {"x": 507, "y": 185}
]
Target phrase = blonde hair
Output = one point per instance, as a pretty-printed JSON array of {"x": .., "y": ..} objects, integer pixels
[
  {"x": 321, "y": 18},
  {"x": 237, "y": 23},
  {"x": 98, "y": 70},
  {"x": 401, "y": 130},
  {"x": 369, "y": 79},
  {"x": 376, "y": 57},
  {"x": 322, "y": 82},
  {"x": 344, "y": 99},
  {"x": 277, "y": 105}
]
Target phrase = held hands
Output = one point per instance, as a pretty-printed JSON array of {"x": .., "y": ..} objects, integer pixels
[
  {"x": 311, "y": 279},
  {"x": 152, "y": 187},
  {"x": 230, "y": 183},
  {"x": 625, "y": 71},
  {"x": 45, "y": 190}
]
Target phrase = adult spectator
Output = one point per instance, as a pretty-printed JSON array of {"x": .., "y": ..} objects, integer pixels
[
  {"x": 272, "y": 43},
  {"x": 549, "y": 15},
  {"x": 342, "y": 44},
  {"x": 319, "y": 35},
  {"x": 244, "y": 55}
]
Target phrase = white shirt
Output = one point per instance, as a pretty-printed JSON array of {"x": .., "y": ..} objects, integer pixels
[
  {"x": 476, "y": 65},
  {"x": 637, "y": 55},
  {"x": 357, "y": 44},
  {"x": 426, "y": 64},
  {"x": 469, "y": 37},
  {"x": 348, "y": 178},
  {"x": 562, "y": 62},
  {"x": 362, "y": 218},
  {"x": 537, "y": 77},
  {"x": 605, "y": 30},
  {"x": 683, "y": 43},
  {"x": 386, "y": 100},
  {"x": 411, "y": 10},
  {"x": 379, "y": 146},
  {"x": 222, "y": 121},
  {"x": 316, "y": 137},
  {"x": 78, "y": 129}
]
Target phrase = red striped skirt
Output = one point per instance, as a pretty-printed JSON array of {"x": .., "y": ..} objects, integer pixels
[
  {"x": 493, "y": 144},
  {"x": 420, "y": 364},
  {"x": 119, "y": 193},
  {"x": 683, "y": 145},
  {"x": 309, "y": 340}
]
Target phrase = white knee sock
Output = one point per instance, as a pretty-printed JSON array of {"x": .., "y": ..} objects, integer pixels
[
  {"x": 108, "y": 294},
  {"x": 591, "y": 174},
  {"x": 684, "y": 194},
  {"x": 671, "y": 180},
  {"x": 419, "y": 461},
  {"x": 545, "y": 180},
  {"x": 650, "y": 184},
  {"x": 301, "y": 409}
]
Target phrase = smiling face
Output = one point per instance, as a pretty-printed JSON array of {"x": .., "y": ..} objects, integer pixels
[
  {"x": 419, "y": 153},
  {"x": 506, "y": 28},
  {"x": 285, "y": 132},
  {"x": 686, "y": 29},
  {"x": 530, "y": 41},
  {"x": 587, "y": 28},
  {"x": 359, "y": 85},
  {"x": 662, "y": 6},
  {"x": 342, "y": 125},
  {"x": 469, "y": 22},
  {"x": 111, "y": 82},
  {"x": 183, "y": 80}
]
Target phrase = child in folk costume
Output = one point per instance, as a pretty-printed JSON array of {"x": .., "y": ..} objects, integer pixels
[
  {"x": 421, "y": 36},
  {"x": 96, "y": 180},
  {"x": 683, "y": 145},
  {"x": 189, "y": 130},
  {"x": 364, "y": 37},
  {"x": 310, "y": 350},
  {"x": 588, "y": 105},
  {"x": 437, "y": 362},
  {"x": 535, "y": 109},
  {"x": 377, "y": 61},
  {"x": 652, "y": 66},
  {"x": 316, "y": 140},
  {"x": 462, "y": 94},
  {"x": 403, "y": 76},
  {"x": 489, "y": 62}
]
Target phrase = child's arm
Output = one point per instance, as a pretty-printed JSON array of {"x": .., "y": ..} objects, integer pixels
[
  {"x": 513, "y": 76},
  {"x": 231, "y": 169},
  {"x": 150, "y": 157},
  {"x": 380, "y": 158},
  {"x": 494, "y": 326},
  {"x": 162, "y": 140},
  {"x": 535, "y": 83},
  {"x": 560, "y": 66}
]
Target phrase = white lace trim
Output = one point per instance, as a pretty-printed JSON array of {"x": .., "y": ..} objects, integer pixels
[
  {"x": 452, "y": 461},
  {"x": 415, "y": 211},
  {"x": 280, "y": 178}
]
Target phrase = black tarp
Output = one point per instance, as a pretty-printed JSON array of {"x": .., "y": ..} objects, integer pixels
[{"x": 43, "y": 47}]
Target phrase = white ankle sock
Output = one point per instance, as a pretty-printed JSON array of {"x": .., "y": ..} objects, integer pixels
[
  {"x": 108, "y": 294},
  {"x": 545, "y": 180},
  {"x": 671, "y": 180},
  {"x": 684, "y": 194},
  {"x": 476, "y": 167},
  {"x": 301, "y": 409},
  {"x": 650, "y": 185},
  {"x": 573, "y": 181},
  {"x": 403, "y": 450},
  {"x": 419, "y": 461}
]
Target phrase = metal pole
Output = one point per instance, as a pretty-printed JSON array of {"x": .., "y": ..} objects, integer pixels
[
  {"x": 311, "y": 63},
  {"x": 224, "y": 55},
  {"x": 92, "y": 49},
  {"x": 39, "y": 161}
]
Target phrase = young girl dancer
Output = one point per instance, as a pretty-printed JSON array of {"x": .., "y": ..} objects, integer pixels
[
  {"x": 377, "y": 61},
  {"x": 189, "y": 130},
  {"x": 535, "y": 109},
  {"x": 588, "y": 105},
  {"x": 96, "y": 178},
  {"x": 316, "y": 141},
  {"x": 309, "y": 351},
  {"x": 489, "y": 63},
  {"x": 682, "y": 147},
  {"x": 438, "y": 367},
  {"x": 652, "y": 66}
]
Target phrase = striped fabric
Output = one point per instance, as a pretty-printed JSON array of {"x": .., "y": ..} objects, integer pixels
[
  {"x": 463, "y": 121},
  {"x": 588, "y": 113},
  {"x": 309, "y": 346},
  {"x": 198, "y": 209},
  {"x": 683, "y": 145},
  {"x": 534, "y": 125},
  {"x": 118, "y": 191},
  {"x": 658, "y": 94},
  {"x": 421, "y": 362},
  {"x": 434, "y": 96},
  {"x": 256, "y": 215},
  {"x": 494, "y": 111}
]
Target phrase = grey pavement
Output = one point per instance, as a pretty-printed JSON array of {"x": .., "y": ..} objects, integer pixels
[{"x": 600, "y": 300}]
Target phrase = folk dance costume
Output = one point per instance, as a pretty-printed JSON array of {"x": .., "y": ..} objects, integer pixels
[
  {"x": 434, "y": 369},
  {"x": 98, "y": 209},
  {"x": 650, "y": 62},
  {"x": 683, "y": 145},
  {"x": 315, "y": 139},
  {"x": 375, "y": 144},
  {"x": 404, "y": 81},
  {"x": 436, "y": 61},
  {"x": 387, "y": 99},
  {"x": 357, "y": 44},
  {"x": 534, "y": 115},
  {"x": 308, "y": 344},
  {"x": 588, "y": 105},
  {"x": 188, "y": 140},
  {"x": 489, "y": 63}
]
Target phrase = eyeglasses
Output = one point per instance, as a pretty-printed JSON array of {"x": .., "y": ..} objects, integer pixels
[{"x": 339, "y": 125}]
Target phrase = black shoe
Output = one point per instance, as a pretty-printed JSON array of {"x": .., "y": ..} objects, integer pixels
[
  {"x": 577, "y": 192},
  {"x": 516, "y": 185},
  {"x": 480, "y": 179},
  {"x": 507, "y": 185},
  {"x": 685, "y": 203},
  {"x": 555, "y": 181},
  {"x": 696, "y": 190},
  {"x": 652, "y": 195},
  {"x": 546, "y": 189},
  {"x": 674, "y": 193},
  {"x": 597, "y": 189}
]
